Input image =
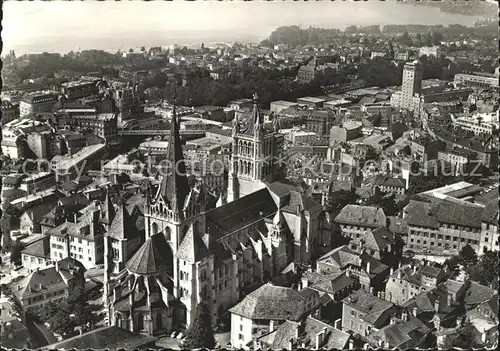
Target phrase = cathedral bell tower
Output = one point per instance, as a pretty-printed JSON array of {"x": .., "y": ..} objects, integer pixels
[
  {"x": 175, "y": 206},
  {"x": 255, "y": 155}
]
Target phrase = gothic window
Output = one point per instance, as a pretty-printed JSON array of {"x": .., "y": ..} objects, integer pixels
[
  {"x": 159, "y": 321},
  {"x": 154, "y": 228},
  {"x": 140, "y": 321}
]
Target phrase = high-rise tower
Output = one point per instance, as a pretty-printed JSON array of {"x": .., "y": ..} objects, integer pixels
[{"x": 412, "y": 83}]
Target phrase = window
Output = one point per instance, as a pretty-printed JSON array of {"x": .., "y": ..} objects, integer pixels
[
  {"x": 439, "y": 244},
  {"x": 448, "y": 237},
  {"x": 241, "y": 327},
  {"x": 432, "y": 243},
  {"x": 418, "y": 241},
  {"x": 412, "y": 240},
  {"x": 440, "y": 237},
  {"x": 353, "y": 313},
  {"x": 240, "y": 336},
  {"x": 79, "y": 240},
  {"x": 425, "y": 242}
]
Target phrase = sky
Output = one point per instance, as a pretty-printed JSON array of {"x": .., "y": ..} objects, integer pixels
[{"x": 64, "y": 26}]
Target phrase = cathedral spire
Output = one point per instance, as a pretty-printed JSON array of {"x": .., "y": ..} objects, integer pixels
[
  {"x": 256, "y": 115},
  {"x": 174, "y": 186}
]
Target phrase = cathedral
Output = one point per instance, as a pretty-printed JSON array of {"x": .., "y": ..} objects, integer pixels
[{"x": 192, "y": 254}]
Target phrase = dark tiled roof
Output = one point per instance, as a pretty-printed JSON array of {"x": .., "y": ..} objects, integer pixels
[
  {"x": 334, "y": 339},
  {"x": 192, "y": 247},
  {"x": 39, "y": 248},
  {"x": 334, "y": 285},
  {"x": 422, "y": 214},
  {"x": 122, "y": 225},
  {"x": 112, "y": 338},
  {"x": 398, "y": 225},
  {"x": 234, "y": 215},
  {"x": 373, "y": 307},
  {"x": 379, "y": 239},
  {"x": 38, "y": 281},
  {"x": 362, "y": 215},
  {"x": 477, "y": 293},
  {"x": 454, "y": 213},
  {"x": 152, "y": 257},
  {"x": 271, "y": 302},
  {"x": 408, "y": 333},
  {"x": 341, "y": 256},
  {"x": 490, "y": 213}
]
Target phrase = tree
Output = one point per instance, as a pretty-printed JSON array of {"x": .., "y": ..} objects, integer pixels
[
  {"x": 339, "y": 199},
  {"x": 486, "y": 270},
  {"x": 15, "y": 252},
  {"x": 468, "y": 256},
  {"x": 200, "y": 333}
]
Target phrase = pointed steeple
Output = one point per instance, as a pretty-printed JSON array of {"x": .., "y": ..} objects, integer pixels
[
  {"x": 278, "y": 219},
  {"x": 108, "y": 209},
  {"x": 174, "y": 186},
  {"x": 122, "y": 225},
  {"x": 256, "y": 116}
]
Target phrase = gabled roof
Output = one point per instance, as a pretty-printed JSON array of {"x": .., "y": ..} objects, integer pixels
[
  {"x": 368, "y": 216},
  {"x": 300, "y": 202},
  {"x": 341, "y": 256},
  {"x": 152, "y": 257},
  {"x": 409, "y": 333},
  {"x": 39, "y": 248},
  {"x": 375, "y": 309},
  {"x": 271, "y": 302},
  {"x": 490, "y": 212},
  {"x": 192, "y": 247},
  {"x": 38, "y": 281},
  {"x": 477, "y": 293},
  {"x": 333, "y": 339},
  {"x": 122, "y": 225},
  {"x": 111, "y": 337}
]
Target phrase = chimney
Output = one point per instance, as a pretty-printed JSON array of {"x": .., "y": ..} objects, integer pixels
[
  {"x": 75, "y": 217},
  {"x": 206, "y": 240},
  {"x": 337, "y": 324},
  {"x": 404, "y": 316},
  {"x": 271, "y": 325},
  {"x": 372, "y": 291},
  {"x": 414, "y": 268},
  {"x": 304, "y": 283},
  {"x": 393, "y": 320},
  {"x": 320, "y": 337},
  {"x": 348, "y": 272},
  {"x": 391, "y": 272},
  {"x": 368, "y": 267},
  {"x": 436, "y": 306},
  {"x": 449, "y": 299},
  {"x": 414, "y": 312},
  {"x": 290, "y": 344},
  {"x": 351, "y": 344}
]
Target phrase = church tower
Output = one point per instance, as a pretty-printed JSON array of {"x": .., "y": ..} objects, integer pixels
[
  {"x": 256, "y": 155},
  {"x": 175, "y": 206}
]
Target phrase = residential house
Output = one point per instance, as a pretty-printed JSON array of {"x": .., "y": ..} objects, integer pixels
[
  {"x": 410, "y": 280},
  {"x": 355, "y": 220},
  {"x": 31, "y": 219},
  {"x": 370, "y": 272},
  {"x": 363, "y": 312},
  {"x": 481, "y": 303},
  {"x": 53, "y": 284},
  {"x": 391, "y": 185},
  {"x": 404, "y": 332},
  {"x": 380, "y": 243},
  {"x": 309, "y": 334},
  {"x": 36, "y": 254},
  {"x": 263, "y": 309}
]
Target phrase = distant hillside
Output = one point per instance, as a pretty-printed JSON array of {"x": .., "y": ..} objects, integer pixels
[{"x": 462, "y": 7}]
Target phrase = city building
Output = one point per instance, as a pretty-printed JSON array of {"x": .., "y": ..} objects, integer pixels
[
  {"x": 240, "y": 104},
  {"x": 309, "y": 72},
  {"x": 356, "y": 220},
  {"x": 477, "y": 80},
  {"x": 68, "y": 167},
  {"x": 22, "y": 138},
  {"x": 460, "y": 159},
  {"x": 9, "y": 112},
  {"x": 478, "y": 123},
  {"x": 80, "y": 239},
  {"x": 103, "y": 125},
  {"x": 309, "y": 334},
  {"x": 36, "y": 254},
  {"x": 277, "y": 106},
  {"x": 80, "y": 89},
  {"x": 266, "y": 308},
  {"x": 311, "y": 102},
  {"x": 447, "y": 225},
  {"x": 53, "y": 284},
  {"x": 36, "y": 102},
  {"x": 489, "y": 227},
  {"x": 408, "y": 281},
  {"x": 411, "y": 88},
  {"x": 363, "y": 313},
  {"x": 383, "y": 109},
  {"x": 154, "y": 147},
  {"x": 430, "y": 50},
  {"x": 38, "y": 182}
]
